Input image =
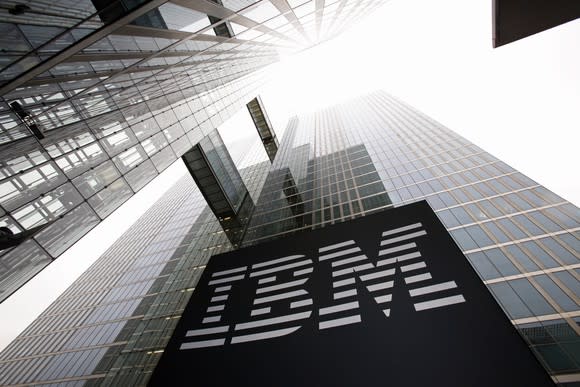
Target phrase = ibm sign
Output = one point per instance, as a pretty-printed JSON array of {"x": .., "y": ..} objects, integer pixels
[{"x": 384, "y": 300}]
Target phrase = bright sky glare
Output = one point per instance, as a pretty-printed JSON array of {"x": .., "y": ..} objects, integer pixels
[{"x": 521, "y": 102}]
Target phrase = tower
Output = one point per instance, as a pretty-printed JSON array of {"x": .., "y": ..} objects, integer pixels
[
  {"x": 365, "y": 156},
  {"x": 98, "y": 98}
]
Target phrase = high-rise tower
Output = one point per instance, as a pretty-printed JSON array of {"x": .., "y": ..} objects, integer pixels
[
  {"x": 364, "y": 156},
  {"x": 98, "y": 97}
]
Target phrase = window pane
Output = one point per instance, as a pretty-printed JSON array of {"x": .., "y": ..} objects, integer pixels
[
  {"x": 522, "y": 258},
  {"x": 447, "y": 219},
  {"x": 556, "y": 359},
  {"x": 536, "y": 333},
  {"x": 556, "y": 293},
  {"x": 497, "y": 233},
  {"x": 512, "y": 228},
  {"x": 559, "y": 251},
  {"x": 461, "y": 215},
  {"x": 510, "y": 301},
  {"x": 483, "y": 266},
  {"x": 463, "y": 240},
  {"x": 527, "y": 225},
  {"x": 533, "y": 299},
  {"x": 544, "y": 221},
  {"x": 569, "y": 280},
  {"x": 479, "y": 236},
  {"x": 501, "y": 262}
]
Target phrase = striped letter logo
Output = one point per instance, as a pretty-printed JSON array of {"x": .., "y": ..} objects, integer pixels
[{"x": 282, "y": 303}]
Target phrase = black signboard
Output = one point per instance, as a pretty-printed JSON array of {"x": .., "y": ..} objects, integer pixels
[{"x": 383, "y": 300}]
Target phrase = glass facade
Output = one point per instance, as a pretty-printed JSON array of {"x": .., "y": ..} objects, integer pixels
[
  {"x": 99, "y": 97},
  {"x": 340, "y": 163},
  {"x": 376, "y": 152},
  {"x": 111, "y": 325}
]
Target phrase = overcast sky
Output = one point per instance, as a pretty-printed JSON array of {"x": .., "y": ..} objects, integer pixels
[{"x": 521, "y": 102}]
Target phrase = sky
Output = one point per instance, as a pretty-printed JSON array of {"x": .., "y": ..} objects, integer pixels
[{"x": 520, "y": 102}]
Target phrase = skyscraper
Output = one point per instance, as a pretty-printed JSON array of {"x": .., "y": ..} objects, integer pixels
[
  {"x": 99, "y": 97},
  {"x": 367, "y": 155}
]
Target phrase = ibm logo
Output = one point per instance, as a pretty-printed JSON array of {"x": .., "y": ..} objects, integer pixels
[{"x": 280, "y": 285}]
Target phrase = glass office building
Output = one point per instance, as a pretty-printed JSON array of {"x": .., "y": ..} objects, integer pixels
[
  {"x": 376, "y": 152},
  {"x": 111, "y": 325},
  {"x": 367, "y": 155},
  {"x": 98, "y": 97}
]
